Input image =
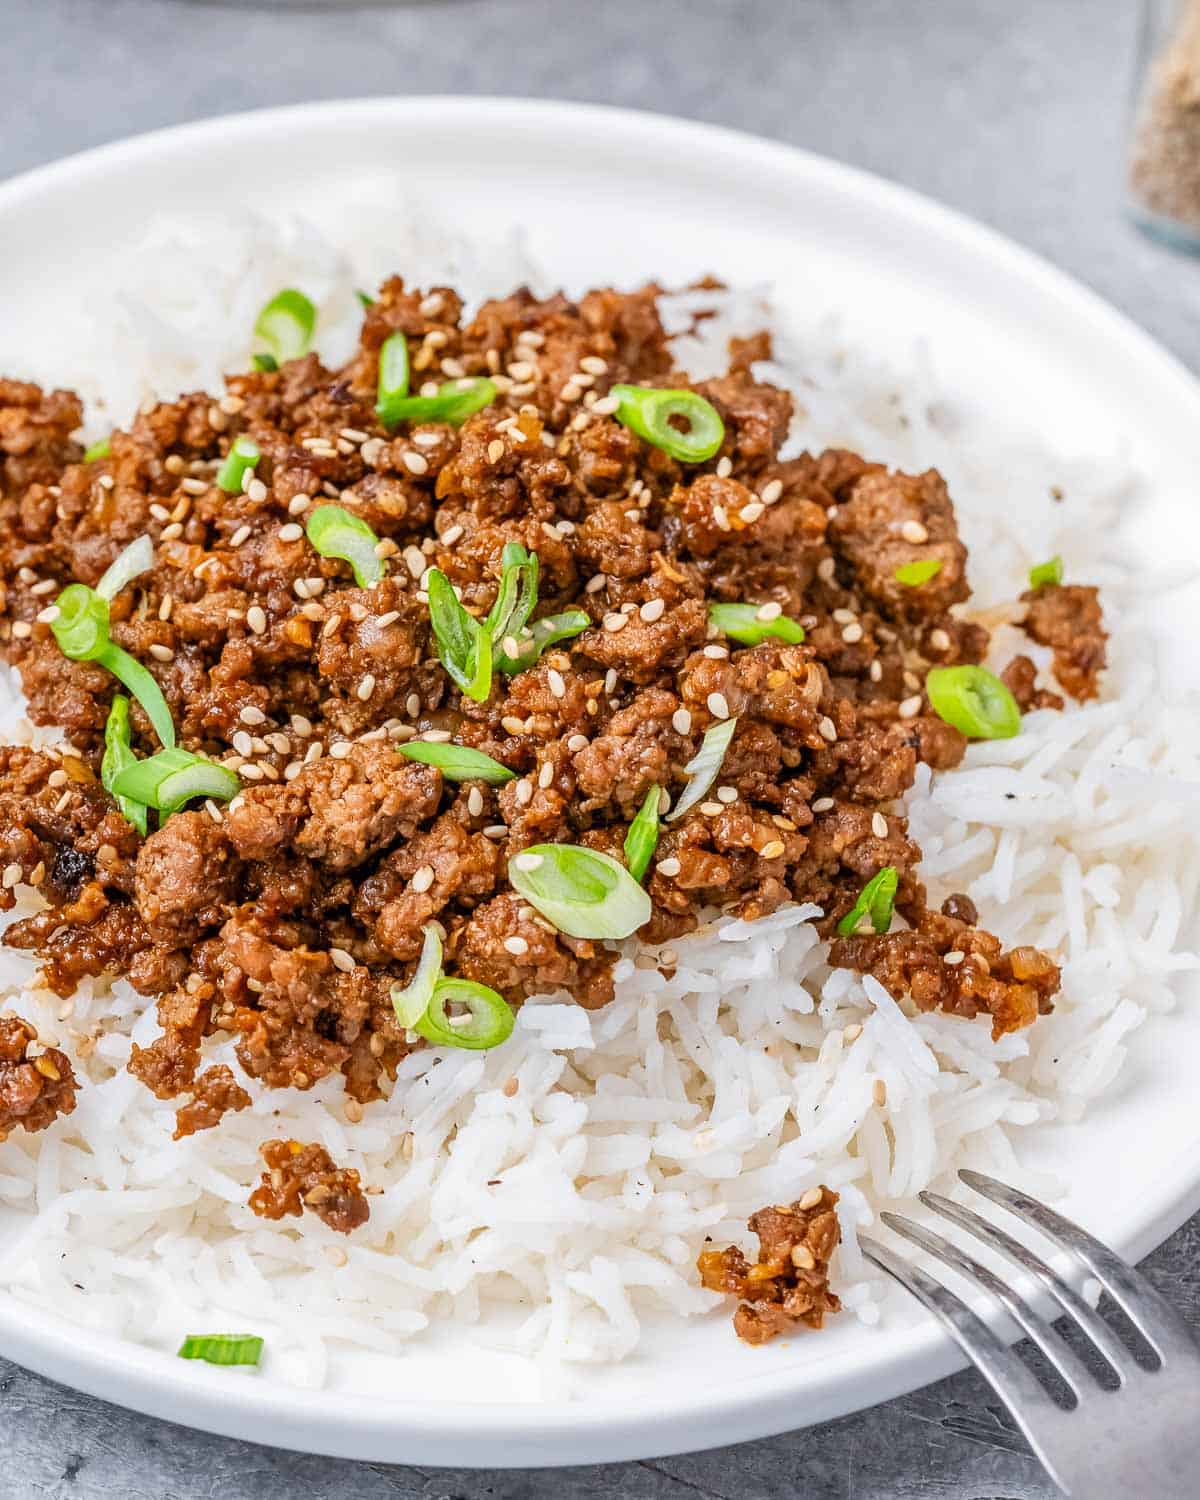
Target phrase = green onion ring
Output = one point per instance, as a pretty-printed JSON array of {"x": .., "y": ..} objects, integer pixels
[
  {"x": 875, "y": 900},
  {"x": 222, "y": 1348},
  {"x": 455, "y": 401},
  {"x": 457, "y": 762},
  {"x": 704, "y": 766},
  {"x": 648, "y": 412},
  {"x": 393, "y": 377},
  {"x": 642, "y": 838},
  {"x": 914, "y": 574},
  {"x": 489, "y": 1022},
  {"x": 745, "y": 623},
  {"x": 974, "y": 701},
  {"x": 584, "y": 893},
  {"x": 131, "y": 563},
  {"x": 118, "y": 753},
  {"x": 411, "y": 1001},
  {"x": 244, "y": 453},
  {"x": 1050, "y": 572},
  {"x": 286, "y": 324},
  {"x": 172, "y": 778},
  {"x": 337, "y": 532}
]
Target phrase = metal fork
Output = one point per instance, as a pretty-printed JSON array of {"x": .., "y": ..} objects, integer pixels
[{"x": 1136, "y": 1438}]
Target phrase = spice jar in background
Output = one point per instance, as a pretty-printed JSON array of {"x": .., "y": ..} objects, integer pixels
[{"x": 1164, "y": 166}]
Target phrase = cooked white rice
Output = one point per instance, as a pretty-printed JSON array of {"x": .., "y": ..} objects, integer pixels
[{"x": 579, "y": 1202}]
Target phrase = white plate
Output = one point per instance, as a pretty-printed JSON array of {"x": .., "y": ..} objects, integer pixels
[{"x": 608, "y": 196}]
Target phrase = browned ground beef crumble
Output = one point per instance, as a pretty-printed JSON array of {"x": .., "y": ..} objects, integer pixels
[
  {"x": 789, "y": 1283},
  {"x": 300, "y": 1177},
  {"x": 284, "y": 919}
]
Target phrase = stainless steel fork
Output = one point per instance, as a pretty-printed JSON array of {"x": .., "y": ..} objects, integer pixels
[{"x": 1136, "y": 1436}]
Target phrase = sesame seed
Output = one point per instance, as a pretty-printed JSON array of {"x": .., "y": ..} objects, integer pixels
[
  {"x": 414, "y": 561},
  {"x": 422, "y": 878},
  {"x": 911, "y": 707},
  {"x": 771, "y": 491},
  {"x": 57, "y": 778},
  {"x": 389, "y": 618},
  {"x": 46, "y": 586},
  {"x": 341, "y": 750},
  {"x": 12, "y": 874},
  {"x": 939, "y": 639},
  {"x": 954, "y": 957},
  {"x": 913, "y": 531},
  {"x": 48, "y": 615},
  {"x": 523, "y": 793},
  {"x": 802, "y": 1256},
  {"x": 852, "y": 634},
  {"x": 298, "y": 503},
  {"x": 570, "y": 392},
  {"x": 595, "y": 583},
  {"x": 681, "y": 721},
  {"x": 593, "y": 364},
  {"x": 772, "y": 850},
  {"x": 496, "y": 831},
  {"x": 436, "y": 736},
  {"x": 161, "y": 653},
  {"x": 615, "y": 622},
  {"x": 416, "y": 463},
  {"x": 720, "y": 517},
  {"x": 239, "y": 536},
  {"x": 652, "y": 610},
  {"x": 511, "y": 724},
  {"x": 516, "y": 944},
  {"x": 252, "y": 715},
  {"x": 724, "y": 468},
  {"x": 752, "y": 511},
  {"x": 256, "y": 491},
  {"x": 256, "y": 619},
  {"x": 528, "y": 861},
  {"x": 557, "y": 685},
  {"x": 844, "y": 616},
  {"x": 769, "y": 611},
  {"x": 242, "y": 742},
  {"x": 546, "y": 775},
  {"x": 668, "y": 867},
  {"x": 340, "y": 959},
  {"x": 876, "y": 671},
  {"x": 474, "y": 801},
  {"x": 22, "y": 629},
  {"x": 577, "y": 742},
  {"x": 250, "y": 771},
  {"x": 710, "y": 809},
  {"x": 716, "y": 653},
  {"x": 605, "y": 406},
  {"x": 165, "y": 606},
  {"x": 291, "y": 532},
  {"x": 879, "y": 825},
  {"x": 365, "y": 688},
  {"x": 63, "y": 802},
  {"x": 727, "y": 794},
  {"x": 718, "y": 706},
  {"x": 827, "y": 729},
  {"x": 825, "y": 569},
  {"x": 171, "y": 532},
  {"x": 160, "y": 512}
]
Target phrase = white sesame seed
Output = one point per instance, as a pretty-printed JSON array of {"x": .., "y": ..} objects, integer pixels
[
  {"x": 727, "y": 794},
  {"x": 161, "y": 653},
  {"x": 256, "y": 619},
  {"x": 546, "y": 775},
  {"x": 365, "y": 688},
  {"x": 46, "y": 586},
  {"x": 827, "y": 729},
  {"x": 593, "y": 364},
  {"x": 823, "y": 804},
  {"x": 291, "y": 532},
  {"x": 557, "y": 685},
  {"x": 879, "y": 825},
  {"x": 62, "y": 802},
  {"x": 771, "y": 491},
  {"x": 652, "y": 610},
  {"x": 160, "y": 512},
  {"x": 511, "y": 724},
  {"x": 668, "y": 867},
  {"x": 570, "y": 392},
  {"x": 171, "y": 532},
  {"x": 718, "y": 706},
  {"x": 48, "y": 615},
  {"x": 452, "y": 535},
  {"x": 577, "y": 742},
  {"x": 523, "y": 792},
  {"x": 844, "y": 616},
  {"x": 516, "y": 944},
  {"x": 610, "y": 681},
  {"x": 939, "y": 639},
  {"x": 615, "y": 622},
  {"x": 751, "y": 512},
  {"x": 299, "y": 503},
  {"x": 852, "y": 634},
  {"x": 710, "y": 809},
  {"x": 716, "y": 653},
  {"x": 256, "y": 491},
  {"x": 22, "y": 629},
  {"x": 12, "y": 875},
  {"x": 427, "y": 439},
  {"x": 528, "y": 861},
  {"x": 436, "y": 736},
  {"x": 681, "y": 721},
  {"x": 252, "y": 715},
  {"x": 57, "y": 778},
  {"x": 474, "y": 801},
  {"x": 913, "y": 531},
  {"x": 239, "y": 536},
  {"x": 724, "y": 469},
  {"x": 911, "y": 707},
  {"x": 954, "y": 957},
  {"x": 772, "y": 850},
  {"x": 769, "y": 611},
  {"x": 341, "y": 750},
  {"x": 340, "y": 959},
  {"x": 605, "y": 406},
  {"x": 422, "y": 878},
  {"x": 876, "y": 671},
  {"x": 826, "y": 569},
  {"x": 416, "y": 463}
]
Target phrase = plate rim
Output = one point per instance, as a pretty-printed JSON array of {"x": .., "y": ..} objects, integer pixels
[{"x": 544, "y": 1434}]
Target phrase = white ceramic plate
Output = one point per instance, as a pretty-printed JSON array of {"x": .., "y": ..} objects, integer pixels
[{"x": 607, "y": 196}]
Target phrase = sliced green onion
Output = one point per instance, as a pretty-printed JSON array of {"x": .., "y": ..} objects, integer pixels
[
  {"x": 81, "y": 630},
  {"x": 1047, "y": 572},
  {"x": 542, "y": 633},
  {"x": 458, "y": 762},
  {"x": 393, "y": 377},
  {"x": 642, "y": 838},
  {"x": 222, "y": 1348},
  {"x": 365, "y": 298},
  {"x": 517, "y": 595},
  {"x": 585, "y": 893},
  {"x": 652, "y": 415},
  {"x": 267, "y": 363},
  {"x": 489, "y": 1019},
  {"x": 170, "y": 779},
  {"x": 455, "y": 401},
  {"x": 704, "y": 766},
  {"x": 118, "y": 753},
  {"x": 974, "y": 701},
  {"x": 464, "y": 645},
  {"x": 875, "y": 900},
  {"x": 136, "y": 559},
  {"x": 745, "y": 623},
  {"x": 914, "y": 574},
  {"x": 286, "y": 324},
  {"x": 101, "y": 448},
  {"x": 243, "y": 454},
  {"x": 412, "y": 1000},
  {"x": 337, "y": 532}
]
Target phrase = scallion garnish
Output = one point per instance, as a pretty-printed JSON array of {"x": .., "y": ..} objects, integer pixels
[
  {"x": 365, "y": 298},
  {"x": 411, "y": 1001},
  {"x": 458, "y": 762},
  {"x": 974, "y": 701},
  {"x": 914, "y": 574},
  {"x": 118, "y": 753},
  {"x": 642, "y": 838},
  {"x": 463, "y": 644},
  {"x": 169, "y": 780},
  {"x": 455, "y": 401},
  {"x": 393, "y": 377},
  {"x": 753, "y": 623},
  {"x": 243, "y": 454},
  {"x": 653, "y": 415},
  {"x": 1046, "y": 573},
  {"x": 267, "y": 363},
  {"x": 101, "y": 448},
  {"x": 517, "y": 594},
  {"x": 542, "y": 633},
  {"x": 286, "y": 325},
  {"x": 704, "y": 766},
  {"x": 337, "y": 532},
  {"x": 222, "y": 1348},
  {"x": 585, "y": 893},
  {"x": 875, "y": 900},
  {"x": 488, "y": 1022},
  {"x": 81, "y": 629}
]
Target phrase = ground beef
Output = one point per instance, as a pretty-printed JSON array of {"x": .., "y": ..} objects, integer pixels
[
  {"x": 36, "y": 1084},
  {"x": 789, "y": 1283},
  {"x": 283, "y": 920},
  {"x": 1067, "y": 617},
  {"x": 1020, "y": 677},
  {"x": 300, "y": 1177}
]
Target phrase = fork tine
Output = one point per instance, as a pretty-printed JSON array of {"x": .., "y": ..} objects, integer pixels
[
  {"x": 1028, "y": 1403},
  {"x": 1119, "y": 1358},
  {"x": 1151, "y": 1314},
  {"x": 1061, "y": 1355}
]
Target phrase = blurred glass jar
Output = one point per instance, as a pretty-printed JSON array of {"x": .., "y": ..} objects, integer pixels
[{"x": 1164, "y": 164}]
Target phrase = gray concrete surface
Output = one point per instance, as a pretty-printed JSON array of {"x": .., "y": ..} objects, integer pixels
[{"x": 1012, "y": 110}]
